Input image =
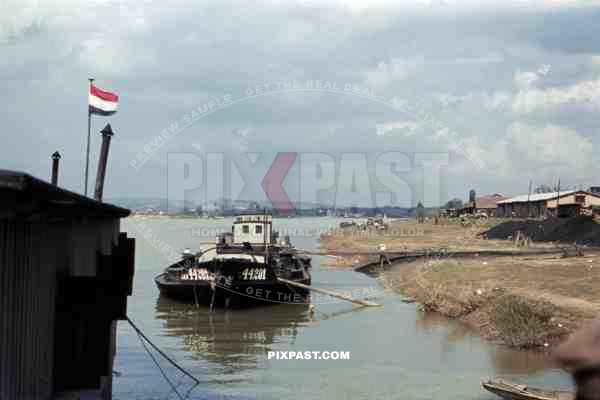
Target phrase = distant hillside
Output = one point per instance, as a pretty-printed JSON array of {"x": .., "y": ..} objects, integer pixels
[{"x": 159, "y": 204}]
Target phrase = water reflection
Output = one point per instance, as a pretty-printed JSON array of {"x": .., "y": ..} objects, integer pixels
[
  {"x": 509, "y": 361},
  {"x": 504, "y": 360},
  {"x": 396, "y": 351},
  {"x": 234, "y": 339}
]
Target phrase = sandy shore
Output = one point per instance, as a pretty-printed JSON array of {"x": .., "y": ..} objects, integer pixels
[
  {"x": 522, "y": 301},
  {"x": 410, "y": 236}
]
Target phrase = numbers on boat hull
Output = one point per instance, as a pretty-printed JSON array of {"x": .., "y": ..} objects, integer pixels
[
  {"x": 197, "y": 274},
  {"x": 202, "y": 274},
  {"x": 254, "y": 274}
]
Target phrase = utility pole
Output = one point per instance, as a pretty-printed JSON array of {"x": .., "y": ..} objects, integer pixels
[
  {"x": 557, "y": 195},
  {"x": 528, "y": 203}
]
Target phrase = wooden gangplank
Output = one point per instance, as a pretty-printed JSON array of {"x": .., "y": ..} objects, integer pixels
[{"x": 333, "y": 293}]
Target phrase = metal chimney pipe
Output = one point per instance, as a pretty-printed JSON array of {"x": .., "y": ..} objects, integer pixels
[
  {"x": 55, "y": 161},
  {"x": 107, "y": 133}
]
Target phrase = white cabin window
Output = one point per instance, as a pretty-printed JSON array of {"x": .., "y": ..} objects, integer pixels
[{"x": 252, "y": 229}]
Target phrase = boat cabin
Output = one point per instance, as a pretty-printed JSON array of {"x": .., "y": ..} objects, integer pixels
[{"x": 253, "y": 229}]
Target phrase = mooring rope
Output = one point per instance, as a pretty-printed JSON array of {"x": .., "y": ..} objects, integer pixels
[
  {"x": 196, "y": 297},
  {"x": 171, "y": 361},
  {"x": 173, "y": 387}
]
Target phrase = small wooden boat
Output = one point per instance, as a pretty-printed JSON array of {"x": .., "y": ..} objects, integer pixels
[{"x": 514, "y": 391}]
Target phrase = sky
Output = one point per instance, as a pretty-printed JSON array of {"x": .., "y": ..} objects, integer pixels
[{"x": 516, "y": 84}]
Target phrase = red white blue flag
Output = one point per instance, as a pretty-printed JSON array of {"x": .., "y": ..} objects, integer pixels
[{"x": 102, "y": 102}]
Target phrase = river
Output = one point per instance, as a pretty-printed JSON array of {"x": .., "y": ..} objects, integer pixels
[{"x": 395, "y": 350}]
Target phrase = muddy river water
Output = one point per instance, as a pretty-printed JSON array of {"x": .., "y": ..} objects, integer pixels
[{"x": 396, "y": 351}]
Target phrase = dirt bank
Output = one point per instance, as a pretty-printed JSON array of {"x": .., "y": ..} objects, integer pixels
[
  {"x": 520, "y": 301},
  {"x": 523, "y": 300},
  {"x": 410, "y": 236}
]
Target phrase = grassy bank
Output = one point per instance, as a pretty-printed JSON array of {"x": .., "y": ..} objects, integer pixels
[
  {"x": 523, "y": 301},
  {"x": 520, "y": 301}
]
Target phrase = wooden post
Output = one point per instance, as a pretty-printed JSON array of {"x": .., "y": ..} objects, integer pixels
[
  {"x": 55, "y": 161},
  {"x": 528, "y": 203},
  {"x": 557, "y": 196},
  {"x": 107, "y": 133}
]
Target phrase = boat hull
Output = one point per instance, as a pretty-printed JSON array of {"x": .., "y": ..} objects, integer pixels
[
  {"x": 232, "y": 294},
  {"x": 511, "y": 391}
]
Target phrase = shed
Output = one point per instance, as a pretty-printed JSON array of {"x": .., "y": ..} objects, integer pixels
[
  {"x": 65, "y": 276},
  {"x": 484, "y": 204},
  {"x": 488, "y": 204},
  {"x": 544, "y": 204}
]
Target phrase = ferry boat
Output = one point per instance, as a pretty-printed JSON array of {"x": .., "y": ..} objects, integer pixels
[{"x": 243, "y": 267}]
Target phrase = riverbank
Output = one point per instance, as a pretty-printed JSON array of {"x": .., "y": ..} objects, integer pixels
[
  {"x": 407, "y": 349},
  {"x": 411, "y": 236},
  {"x": 523, "y": 300},
  {"x": 526, "y": 302}
]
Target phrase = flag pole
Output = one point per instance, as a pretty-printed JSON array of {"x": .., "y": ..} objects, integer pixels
[{"x": 87, "y": 152}]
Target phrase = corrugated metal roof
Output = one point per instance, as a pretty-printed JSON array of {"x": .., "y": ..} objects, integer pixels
[
  {"x": 537, "y": 197},
  {"x": 50, "y": 199},
  {"x": 489, "y": 201}
]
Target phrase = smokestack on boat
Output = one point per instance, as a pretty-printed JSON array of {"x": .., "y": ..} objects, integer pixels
[
  {"x": 55, "y": 162},
  {"x": 107, "y": 133}
]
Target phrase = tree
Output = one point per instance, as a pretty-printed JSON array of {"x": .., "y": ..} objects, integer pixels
[
  {"x": 472, "y": 197},
  {"x": 454, "y": 203},
  {"x": 420, "y": 213}
]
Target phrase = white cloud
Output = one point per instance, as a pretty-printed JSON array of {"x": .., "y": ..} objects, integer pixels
[
  {"x": 542, "y": 153},
  {"x": 404, "y": 68},
  {"x": 526, "y": 80},
  {"x": 454, "y": 6},
  {"x": 167, "y": 58},
  {"x": 551, "y": 145},
  {"x": 544, "y": 69},
  {"x": 528, "y": 98},
  {"x": 447, "y": 99},
  {"x": 383, "y": 72},
  {"x": 582, "y": 93},
  {"x": 407, "y": 128},
  {"x": 240, "y": 138}
]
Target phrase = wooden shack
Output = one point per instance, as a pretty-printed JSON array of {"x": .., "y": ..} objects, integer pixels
[
  {"x": 65, "y": 274},
  {"x": 483, "y": 204},
  {"x": 570, "y": 203}
]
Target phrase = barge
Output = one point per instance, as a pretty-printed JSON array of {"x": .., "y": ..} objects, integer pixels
[{"x": 244, "y": 267}]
